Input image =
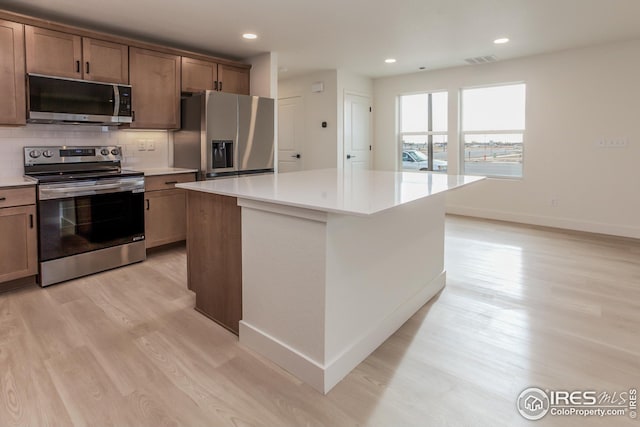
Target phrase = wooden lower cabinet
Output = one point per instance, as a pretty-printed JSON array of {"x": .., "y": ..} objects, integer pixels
[
  {"x": 19, "y": 242},
  {"x": 165, "y": 217},
  {"x": 165, "y": 209},
  {"x": 214, "y": 257}
]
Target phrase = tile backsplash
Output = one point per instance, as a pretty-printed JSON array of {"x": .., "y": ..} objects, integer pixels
[{"x": 157, "y": 145}]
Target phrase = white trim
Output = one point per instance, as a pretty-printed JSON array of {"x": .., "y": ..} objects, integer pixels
[
  {"x": 547, "y": 221},
  {"x": 324, "y": 377},
  {"x": 303, "y": 367},
  {"x": 305, "y": 213},
  {"x": 340, "y": 366}
]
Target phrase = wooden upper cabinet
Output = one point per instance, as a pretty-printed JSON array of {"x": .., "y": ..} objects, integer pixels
[
  {"x": 54, "y": 53},
  {"x": 233, "y": 79},
  {"x": 12, "y": 89},
  {"x": 105, "y": 61},
  {"x": 155, "y": 95},
  {"x": 198, "y": 76}
]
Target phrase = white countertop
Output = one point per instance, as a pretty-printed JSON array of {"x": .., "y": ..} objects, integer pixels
[
  {"x": 164, "y": 171},
  {"x": 330, "y": 190},
  {"x": 16, "y": 181}
]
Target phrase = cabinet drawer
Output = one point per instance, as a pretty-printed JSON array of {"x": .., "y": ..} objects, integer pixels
[
  {"x": 17, "y": 196},
  {"x": 165, "y": 182}
]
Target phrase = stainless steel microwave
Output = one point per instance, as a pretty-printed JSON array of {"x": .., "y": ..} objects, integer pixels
[{"x": 58, "y": 100}]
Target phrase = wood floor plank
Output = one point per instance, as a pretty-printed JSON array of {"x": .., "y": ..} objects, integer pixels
[{"x": 87, "y": 392}]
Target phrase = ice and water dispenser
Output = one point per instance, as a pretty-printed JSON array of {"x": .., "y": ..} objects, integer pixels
[{"x": 222, "y": 153}]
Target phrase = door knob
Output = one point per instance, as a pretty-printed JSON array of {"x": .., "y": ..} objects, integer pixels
[
  {"x": 349, "y": 156},
  {"x": 296, "y": 156}
]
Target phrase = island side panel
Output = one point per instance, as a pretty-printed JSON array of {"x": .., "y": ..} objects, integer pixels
[
  {"x": 283, "y": 287},
  {"x": 214, "y": 256},
  {"x": 380, "y": 270}
]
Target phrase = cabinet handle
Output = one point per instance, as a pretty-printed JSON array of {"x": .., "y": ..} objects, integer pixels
[
  {"x": 2, "y": 199},
  {"x": 220, "y": 86},
  {"x": 170, "y": 182},
  {"x": 133, "y": 116},
  {"x": 87, "y": 67},
  {"x": 77, "y": 66},
  {"x": 148, "y": 205},
  {"x": 30, "y": 220},
  {"x": 215, "y": 85}
]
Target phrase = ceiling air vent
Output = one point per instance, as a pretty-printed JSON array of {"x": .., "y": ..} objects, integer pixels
[{"x": 481, "y": 59}]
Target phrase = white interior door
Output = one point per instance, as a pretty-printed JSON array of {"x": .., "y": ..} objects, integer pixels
[
  {"x": 357, "y": 133},
  {"x": 290, "y": 130}
]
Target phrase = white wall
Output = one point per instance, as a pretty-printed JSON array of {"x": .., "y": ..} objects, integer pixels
[
  {"x": 574, "y": 99},
  {"x": 319, "y": 144},
  {"x": 12, "y": 141},
  {"x": 323, "y": 147},
  {"x": 264, "y": 75}
]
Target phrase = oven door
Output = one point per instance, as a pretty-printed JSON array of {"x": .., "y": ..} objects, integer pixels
[{"x": 89, "y": 215}]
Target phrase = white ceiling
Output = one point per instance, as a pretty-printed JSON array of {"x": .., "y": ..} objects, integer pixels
[{"x": 355, "y": 35}]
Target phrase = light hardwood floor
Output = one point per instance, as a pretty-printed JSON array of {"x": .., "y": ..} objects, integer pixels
[{"x": 522, "y": 307}]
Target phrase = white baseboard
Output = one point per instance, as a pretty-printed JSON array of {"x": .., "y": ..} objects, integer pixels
[
  {"x": 324, "y": 377},
  {"x": 283, "y": 355},
  {"x": 351, "y": 357},
  {"x": 547, "y": 221}
]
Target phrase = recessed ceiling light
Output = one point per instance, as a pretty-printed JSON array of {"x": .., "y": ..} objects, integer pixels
[
  {"x": 249, "y": 36},
  {"x": 501, "y": 40},
  {"x": 389, "y": 60}
]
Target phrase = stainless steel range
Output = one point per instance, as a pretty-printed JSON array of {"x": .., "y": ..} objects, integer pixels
[{"x": 90, "y": 210}]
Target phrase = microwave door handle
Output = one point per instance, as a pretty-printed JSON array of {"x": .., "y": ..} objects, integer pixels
[{"x": 116, "y": 95}]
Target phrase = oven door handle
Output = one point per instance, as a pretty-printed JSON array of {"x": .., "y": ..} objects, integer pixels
[{"x": 61, "y": 192}]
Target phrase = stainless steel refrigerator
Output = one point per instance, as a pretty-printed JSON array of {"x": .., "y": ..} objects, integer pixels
[{"x": 224, "y": 134}]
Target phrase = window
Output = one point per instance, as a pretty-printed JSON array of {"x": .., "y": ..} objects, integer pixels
[
  {"x": 493, "y": 130},
  {"x": 423, "y": 131}
]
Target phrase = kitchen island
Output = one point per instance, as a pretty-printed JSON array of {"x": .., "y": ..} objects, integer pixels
[{"x": 331, "y": 263}]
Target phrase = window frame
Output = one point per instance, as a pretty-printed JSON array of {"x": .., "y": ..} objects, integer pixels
[
  {"x": 462, "y": 133},
  {"x": 429, "y": 134}
]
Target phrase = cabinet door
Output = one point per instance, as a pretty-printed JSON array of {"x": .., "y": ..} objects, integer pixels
[
  {"x": 12, "y": 90},
  {"x": 197, "y": 75},
  {"x": 53, "y": 53},
  {"x": 233, "y": 79},
  {"x": 105, "y": 61},
  {"x": 155, "y": 95},
  {"x": 165, "y": 217},
  {"x": 18, "y": 245}
]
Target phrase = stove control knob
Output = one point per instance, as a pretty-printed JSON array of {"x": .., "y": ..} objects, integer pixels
[
  {"x": 115, "y": 151},
  {"x": 47, "y": 153},
  {"x": 34, "y": 154},
  {"x": 104, "y": 152}
]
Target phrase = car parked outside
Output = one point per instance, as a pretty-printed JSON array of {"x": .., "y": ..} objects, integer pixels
[{"x": 414, "y": 159}]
